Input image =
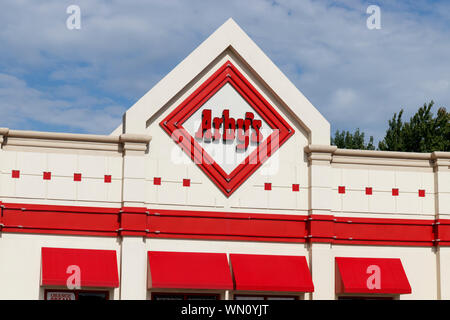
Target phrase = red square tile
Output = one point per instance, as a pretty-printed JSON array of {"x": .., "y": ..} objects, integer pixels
[
  {"x": 157, "y": 181},
  {"x": 186, "y": 182},
  {"x": 107, "y": 178},
  {"x": 15, "y": 174},
  {"x": 341, "y": 189},
  {"x": 295, "y": 187},
  {"x": 267, "y": 186},
  {"x": 77, "y": 177},
  {"x": 421, "y": 193},
  {"x": 47, "y": 176},
  {"x": 395, "y": 192},
  {"x": 368, "y": 191}
]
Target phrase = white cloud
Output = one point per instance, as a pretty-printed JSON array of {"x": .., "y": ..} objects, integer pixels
[
  {"x": 22, "y": 106},
  {"x": 344, "y": 97}
]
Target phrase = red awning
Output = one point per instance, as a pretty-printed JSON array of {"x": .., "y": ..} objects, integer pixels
[
  {"x": 271, "y": 273},
  {"x": 189, "y": 270},
  {"x": 97, "y": 268},
  {"x": 371, "y": 275}
]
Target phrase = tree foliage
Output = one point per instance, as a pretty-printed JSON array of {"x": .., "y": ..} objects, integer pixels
[
  {"x": 424, "y": 132},
  {"x": 347, "y": 140}
]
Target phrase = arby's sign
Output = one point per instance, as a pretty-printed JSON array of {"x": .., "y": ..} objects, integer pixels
[
  {"x": 244, "y": 130},
  {"x": 227, "y": 128}
]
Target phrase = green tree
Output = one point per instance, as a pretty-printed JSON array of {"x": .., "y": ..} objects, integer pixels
[
  {"x": 423, "y": 132},
  {"x": 347, "y": 140}
]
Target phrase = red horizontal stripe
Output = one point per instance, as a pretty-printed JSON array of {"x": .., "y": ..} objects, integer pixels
[
  {"x": 60, "y": 232},
  {"x": 61, "y": 221},
  {"x": 384, "y": 231},
  {"x": 182, "y": 224},
  {"x": 385, "y": 221},
  {"x": 227, "y": 215},
  {"x": 230, "y": 227},
  {"x": 384, "y": 243},
  {"x": 46, "y": 207},
  {"x": 226, "y": 237}
]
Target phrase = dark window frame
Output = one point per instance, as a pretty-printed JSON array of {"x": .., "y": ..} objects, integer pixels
[
  {"x": 266, "y": 296},
  {"x": 185, "y": 295},
  {"x": 76, "y": 292},
  {"x": 365, "y": 297}
]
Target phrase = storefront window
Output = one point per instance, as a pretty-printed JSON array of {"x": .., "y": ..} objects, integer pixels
[
  {"x": 366, "y": 298},
  {"x": 183, "y": 296},
  {"x": 76, "y": 295},
  {"x": 248, "y": 297}
]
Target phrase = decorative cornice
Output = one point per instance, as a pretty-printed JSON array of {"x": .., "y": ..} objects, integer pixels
[
  {"x": 320, "y": 148},
  {"x": 375, "y": 157},
  {"x": 72, "y": 140}
]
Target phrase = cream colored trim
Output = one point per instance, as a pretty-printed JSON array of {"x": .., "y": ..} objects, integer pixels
[
  {"x": 440, "y": 155},
  {"x": 60, "y": 136},
  {"x": 136, "y": 138},
  {"x": 134, "y": 146},
  {"x": 382, "y": 154},
  {"x": 140, "y": 138},
  {"x": 61, "y": 144},
  {"x": 320, "y": 148},
  {"x": 320, "y": 154},
  {"x": 384, "y": 158},
  {"x": 386, "y": 161},
  {"x": 395, "y": 166},
  {"x": 137, "y": 142}
]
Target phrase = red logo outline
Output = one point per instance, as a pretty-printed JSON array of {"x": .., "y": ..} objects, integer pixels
[{"x": 173, "y": 125}]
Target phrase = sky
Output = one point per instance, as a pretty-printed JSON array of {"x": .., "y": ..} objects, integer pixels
[{"x": 82, "y": 80}]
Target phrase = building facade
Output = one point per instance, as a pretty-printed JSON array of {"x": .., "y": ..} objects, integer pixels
[{"x": 220, "y": 183}]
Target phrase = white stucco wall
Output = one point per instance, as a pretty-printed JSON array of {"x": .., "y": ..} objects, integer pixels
[{"x": 20, "y": 261}]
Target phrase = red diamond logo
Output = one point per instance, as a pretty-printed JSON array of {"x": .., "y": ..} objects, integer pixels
[{"x": 227, "y": 128}]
